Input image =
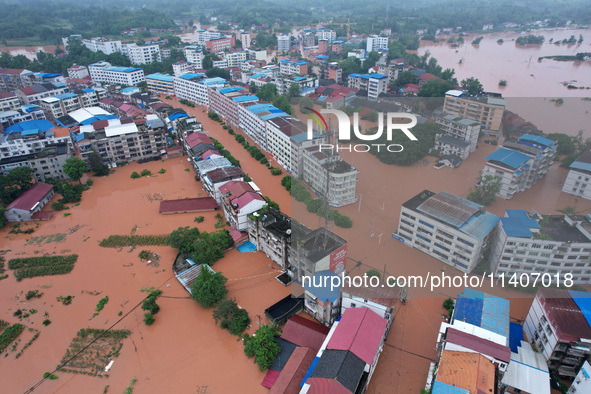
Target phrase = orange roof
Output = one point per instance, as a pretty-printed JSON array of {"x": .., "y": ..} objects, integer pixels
[
  {"x": 61, "y": 132},
  {"x": 470, "y": 371}
]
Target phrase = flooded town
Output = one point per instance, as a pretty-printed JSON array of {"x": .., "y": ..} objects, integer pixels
[{"x": 228, "y": 198}]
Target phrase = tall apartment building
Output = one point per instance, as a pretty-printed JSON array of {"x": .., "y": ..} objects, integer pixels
[
  {"x": 194, "y": 56},
  {"x": 49, "y": 163},
  {"x": 271, "y": 233},
  {"x": 450, "y": 228},
  {"x": 252, "y": 118},
  {"x": 488, "y": 111},
  {"x": 293, "y": 66},
  {"x": 160, "y": 83},
  {"x": 194, "y": 87},
  {"x": 245, "y": 39},
  {"x": 308, "y": 39},
  {"x": 323, "y": 46},
  {"x": 205, "y": 35},
  {"x": 519, "y": 165},
  {"x": 104, "y": 72},
  {"x": 117, "y": 142},
  {"x": 9, "y": 101},
  {"x": 529, "y": 243},
  {"x": 220, "y": 44},
  {"x": 182, "y": 67},
  {"x": 582, "y": 382},
  {"x": 308, "y": 81},
  {"x": 257, "y": 54},
  {"x": 283, "y": 42},
  {"x": 144, "y": 54},
  {"x": 339, "y": 188},
  {"x": 12, "y": 79},
  {"x": 558, "y": 324},
  {"x": 20, "y": 114},
  {"x": 375, "y": 42},
  {"x": 29, "y": 137},
  {"x": 233, "y": 59},
  {"x": 57, "y": 106},
  {"x": 374, "y": 84},
  {"x": 78, "y": 72},
  {"x": 326, "y": 34},
  {"x": 578, "y": 180},
  {"x": 279, "y": 130},
  {"x": 460, "y": 129},
  {"x": 225, "y": 101},
  {"x": 99, "y": 44}
]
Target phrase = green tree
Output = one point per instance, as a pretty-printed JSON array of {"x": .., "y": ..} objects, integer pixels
[
  {"x": 183, "y": 238},
  {"x": 486, "y": 190},
  {"x": 293, "y": 91},
  {"x": 435, "y": 88},
  {"x": 267, "y": 92},
  {"x": 96, "y": 164},
  {"x": 14, "y": 183},
  {"x": 209, "y": 288},
  {"x": 143, "y": 85},
  {"x": 218, "y": 72},
  {"x": 406, "y": 77},
  {"x": 228, "y": 315},
  {"x": 472, "y": 85},
  {"x": 373, "y": 272},
  {"x": 74, "y": 168},
  {"x": 262, "y": 346}
]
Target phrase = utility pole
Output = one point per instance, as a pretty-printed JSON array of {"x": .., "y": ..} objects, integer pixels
[
  {"x": 380, "y": 238},
  {"x": 373, "y": 224},
  {"x": 359, "y": 207}
]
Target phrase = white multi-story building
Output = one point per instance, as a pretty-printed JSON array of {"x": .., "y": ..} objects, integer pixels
[
  {"x": 252, "y": 120},
  {"x": 222, "y": 63},
  {"x": 326, "y": 34},
  {"x": 339, "y": 189},
  {"x": 376, "y": 42},
  {"x": 582, "y": 382},
  {"x": 193, "y": 87},
  {"x": 293, "y": 66},
  {"x": 104, "y": 72},
  {"x": 447, "y": 227},
  {"x": 206, "y": 35},
  {"x": 307, "y": 81},
  {"x": 194, "y": 55},
  {"x": 520, "y": 164},
  {"x": 578, "y": 180},
  {"x": 182, "y": 67},
  {"x": 463, "y": 129},
  {"x": 257, "y": 54},
  {"x": 558, "y": 324},
  {"x": 245, "y": 39},
  {"x": 9, "y": 101},
  {"x": 283, "y": 42},
  {"x": 279, "y": 131},
  {"x": 533, "y": 243},
  {"x": 375, "y": 84},
  {"x": 77, "y": 71},
  {"x": 34, "y": 94},
  {"x": 144, "y": 54},
  {"x": 160, "y": 83},
  {"x": 234, "y": 59},
  {"x": 20, "y": 114},
  {"x": 57, "y": 106},
  {"x": 103, "y": 45}
]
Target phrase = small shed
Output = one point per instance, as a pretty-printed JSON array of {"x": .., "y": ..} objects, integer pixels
[{"x": 24, "y": 207}]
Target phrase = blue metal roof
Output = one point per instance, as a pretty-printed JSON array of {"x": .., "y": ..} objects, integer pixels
[
  {"x": 478, "y": 226},
  {"x": 515, "y": 336},
  {"x": 177, "y": 115},
  {"x": 92, "y": 90},
  {"x": 444, "y": 388},
  {"x": 518, "y": 224},
  {"x": 97, "y": 117},
  {"x": 213, "y": 81},
  {"x": 30, "y": 132},
  {"x": 64, "y": 96},
  {"x": 40, "y": 124},
  {"x": 258, "y": 76},
  {"x": 257, "y": 108},
  {"x": 321, "y": 57},
  {"x": 483, "y": 310},
  {"x": 241, "y": 99},
  {"x": 274, "y": 115},
  {"x": 30, "y": 107},
  {"x": 583, "y": 301},
  {"x": 378, "y": 76},
  {"x": 537, "y": 139},
  {"x": 122, "y": 69},
  {"x": 161, "y": 77},
  {"x": 230, "y": 90},
  {"x": 130, "y": 89},
  {"x": 192, "y": 75},
  {"x": 509, "y": 157},
  {"x": 297, "y": 79}
]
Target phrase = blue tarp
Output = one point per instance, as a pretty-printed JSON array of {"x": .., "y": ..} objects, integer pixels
[
  {"x": 444, "y": 388},
  {"x": 483, "y": 310}
]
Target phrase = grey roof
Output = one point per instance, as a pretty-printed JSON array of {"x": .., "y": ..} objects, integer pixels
[
  {"x": 287, "y": 349},
  {"x": 468, "y": 122},
  {"x": 527, "y": 371},
  {"x": 454, "y": 141},
  {"x": 496, "y": 101},
  {"x": 340, "y": 365},
  {"x": 205, "y": 166},
  {"x": 449, "y": 208}
]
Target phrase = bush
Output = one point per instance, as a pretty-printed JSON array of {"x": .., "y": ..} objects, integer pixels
[
  {"x": 58, "y": 205},
  {"x": 33, "y": 294},
  {"x": 209, "y": 288},
  {"x": 145, "y": 172},
  {"x": 135, "y": 175},
  {"x": 219, "y": 224},
  {"x": 286, "y": 182},
  {"x": 262, "y": 346},
  {"x": 145, "y": 255},
  {"x": 46, "y": 322},
  {"x": 314, "y": 205},
  {"x": 275, "y": 171},
  {"x": 162, "y": 171},
  {"x": 149, "y": 319},
  {"x": 264, "y": 161},
  {"x": 101, "y": 304},
  {"x": 228, "y": 315},
  {"x": 199, "y": 219},
  {"x": 89, "y": 182}
]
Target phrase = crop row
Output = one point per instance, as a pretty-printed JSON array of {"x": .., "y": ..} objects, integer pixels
[
  {"x": 27, "y": 262},
  {"x": 133, "y": 240}
]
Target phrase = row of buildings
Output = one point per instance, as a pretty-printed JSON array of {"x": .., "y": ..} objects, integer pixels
[{"x": 463, "y": 235}]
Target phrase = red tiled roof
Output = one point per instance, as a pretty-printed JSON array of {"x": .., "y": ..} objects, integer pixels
[
  {"x": 107, "y": 101},
  {"x": 188, "y": 205},
  {"x": 195, "y": 139},
  {"x": 427, "y": 76},
  {"x": 326, "y": 386},
  {"x": 28, "y": 90},
  {"x": 304, "y": 332},
  {"x": 12, "y": 71},
  {"x": 221, "y": 174},
  {"x": 270, "y": 378},
  {"x": 32, "y": 196},
  {"x": 563, "y": 310},
  {"x": 209, "y": 153},
  {"x": 246, "y": 198},
  {"x": 173, "y": 148},
  {"x": 360, "y": 331},
  {"x": 4, "y": 95},
  {"x": 236, "y": 188},
  {"x": 100, "y": 124},
  {"x": 294, "y": 371},
  {"x": 479, "y": 345},
  {"x": 42, "y": 215}
]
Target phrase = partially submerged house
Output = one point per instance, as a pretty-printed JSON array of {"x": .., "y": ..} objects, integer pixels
[{"x": 28, "y": 205}]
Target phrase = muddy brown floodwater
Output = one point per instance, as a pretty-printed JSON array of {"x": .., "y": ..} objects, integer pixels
[
  {"x": 29, "y": 51},
  {"x": 182, "y": 351}
]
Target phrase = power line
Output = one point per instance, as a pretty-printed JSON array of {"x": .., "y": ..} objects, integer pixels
[
  {"x": 39, "y": 383},
  {"x": 409, "y": 352}
]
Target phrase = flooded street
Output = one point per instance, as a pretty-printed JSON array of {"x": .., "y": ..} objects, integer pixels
[
  {"x": 518, "y": 64},
  {"x": 29, "y": 51},
  {"x": 183, "y": 350}
]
